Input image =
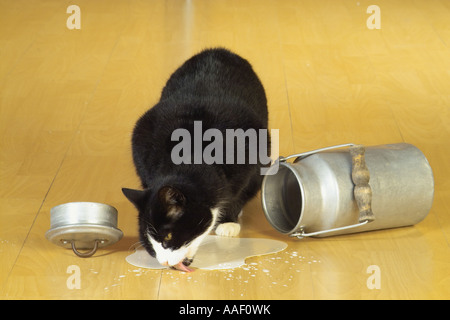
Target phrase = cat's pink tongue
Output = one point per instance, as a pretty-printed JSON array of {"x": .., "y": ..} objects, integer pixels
[{"x": 180, "y": 266}]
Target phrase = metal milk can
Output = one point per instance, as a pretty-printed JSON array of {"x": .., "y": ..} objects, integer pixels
[{"x": 348, "y": 188}]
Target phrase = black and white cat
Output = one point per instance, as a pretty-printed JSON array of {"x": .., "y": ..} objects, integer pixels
[{"x": 182, "y": 203}]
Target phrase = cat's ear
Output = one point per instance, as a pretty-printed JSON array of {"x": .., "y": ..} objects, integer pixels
[
  {"x": 171, "y": 197},
  {"x": 137, "y": 197}
]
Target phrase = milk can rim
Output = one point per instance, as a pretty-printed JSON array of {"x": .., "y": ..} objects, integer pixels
[{"x": 292, "y": 169}]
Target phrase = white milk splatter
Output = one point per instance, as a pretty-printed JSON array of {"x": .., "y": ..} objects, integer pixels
[{"x": 216, "y": 252}]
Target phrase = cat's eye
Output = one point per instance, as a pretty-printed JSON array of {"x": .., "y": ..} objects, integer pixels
[{"x": 168, "y": 237}]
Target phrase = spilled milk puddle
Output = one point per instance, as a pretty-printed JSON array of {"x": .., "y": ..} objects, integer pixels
[{"x": 216, "y": 253}]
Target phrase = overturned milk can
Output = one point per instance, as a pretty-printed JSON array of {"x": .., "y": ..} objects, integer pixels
[{"x": 348, "y": 188}]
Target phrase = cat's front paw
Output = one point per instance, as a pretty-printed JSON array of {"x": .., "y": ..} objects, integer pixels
[{"x": 228, "y": 229}]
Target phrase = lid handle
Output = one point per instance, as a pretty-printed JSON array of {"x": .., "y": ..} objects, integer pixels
[{"x": 85, "y": 254}]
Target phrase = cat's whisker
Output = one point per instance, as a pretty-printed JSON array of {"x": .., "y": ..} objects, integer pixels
[
  {"x": 135, "y": 246},
  {"x": 151, "y": 227}
]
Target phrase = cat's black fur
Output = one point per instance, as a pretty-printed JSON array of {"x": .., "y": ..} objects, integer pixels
[{"x": 220, "y": 89}]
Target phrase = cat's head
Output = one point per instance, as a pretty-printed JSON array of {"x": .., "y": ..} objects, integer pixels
[{"x": 172, "y": 222}]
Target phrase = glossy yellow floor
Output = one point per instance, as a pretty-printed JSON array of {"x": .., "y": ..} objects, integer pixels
[{"x": 69, "y": 100}]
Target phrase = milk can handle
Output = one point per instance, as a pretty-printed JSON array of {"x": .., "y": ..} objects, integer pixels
[
  {"x": 361, "y": 177},
  {"x": 308, "y": 153},
  {"x": 362, "y": 190}
]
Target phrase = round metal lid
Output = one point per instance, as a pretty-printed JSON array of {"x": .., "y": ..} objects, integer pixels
[{"x": 83, "y": 225}]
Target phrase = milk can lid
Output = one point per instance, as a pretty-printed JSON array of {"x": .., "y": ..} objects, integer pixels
[{"x": 83, "y": 225}]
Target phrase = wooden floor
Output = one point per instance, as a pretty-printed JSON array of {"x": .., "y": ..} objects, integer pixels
[{"x": 69, "y": 100}]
